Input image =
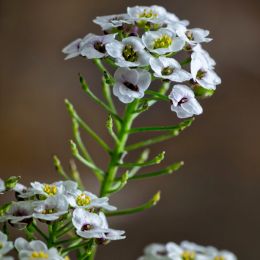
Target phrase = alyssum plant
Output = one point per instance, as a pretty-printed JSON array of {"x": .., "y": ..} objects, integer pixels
[{"x": 144, "y": 45}]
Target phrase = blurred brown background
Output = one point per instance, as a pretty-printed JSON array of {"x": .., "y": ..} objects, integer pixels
[{"x": 214, "y": 199}]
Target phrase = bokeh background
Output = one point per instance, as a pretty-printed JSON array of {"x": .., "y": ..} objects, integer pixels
[{"x": 214, "y": 199}]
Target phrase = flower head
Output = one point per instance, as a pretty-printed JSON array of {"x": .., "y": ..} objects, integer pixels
[
  {"x": 94, "y": 46},
  {"x": 52, "y": 208},
  {"x": 169, "y": 68},
  {"x": 35, "y": 249},
  {"x": 88, "y": 200},
  {"x": 128, "y": 53},
  {"x": 109, "y": 22},
  {"x": 92, "y": 225},
  {"x": 152, "y": 14},
  {"x": 162, "y": 41},
  {"x": 184, "y": 102},
  {"x": 155, "y": 252},
  {"x": 130, "y": 84},
  {"x": 5, "y": 247},
  {"x": 19, "y": 214}
]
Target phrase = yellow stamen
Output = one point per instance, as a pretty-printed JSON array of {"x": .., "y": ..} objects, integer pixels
[
  {"x": 39, "y": 254},
  {"x": 50, "y": 189},
  {"x": 188, "y": 255},
  {"x": 219, "y": 257},
  {"x": 163, "y": 42},
  {"x": 83, "y": 200},
  {"x": 1, "y": 245},
  {"x": 48, "y": 211},
  {"x": 148, "y": 13},
  {"x": 129, "y": 53}
]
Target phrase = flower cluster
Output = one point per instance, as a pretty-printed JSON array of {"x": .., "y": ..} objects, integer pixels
[
  {"x": 62, "y": 204},
  {"x": 185, "y": 251},
  {"x": 144, "y": 45}
]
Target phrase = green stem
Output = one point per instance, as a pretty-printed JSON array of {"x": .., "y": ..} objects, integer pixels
[
  {"x": 119, "y": 148},
  {"x": 39, "y": 231},
  {"x": 168, "y": 170},
  {"x": 143, "y": 207}
]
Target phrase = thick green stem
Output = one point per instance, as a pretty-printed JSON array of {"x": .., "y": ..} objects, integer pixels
[{"x": 119, "y": 149}]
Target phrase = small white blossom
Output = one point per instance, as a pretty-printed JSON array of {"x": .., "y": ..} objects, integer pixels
[
  {"x": 130, "y": 84},
  {"x": 47, "y": 190},
  {"x": 88, "y": 200},
  {"x": 211, "y": 252},
  {"x": 162, "y": 41},
  {"x": 172, "y": 20},
  {"x": 94, "y": 46},
  {"x": 169, "y": 68},
  {"x": 203, "y": 54},
  {"x": 152, "y": 14},
  {"x": 155, "y": 252},
  {"x": 2, "y": 186},
  {"x": 193, "y": 36},
  {"x": 184, "y": 102},
  {"x": 92, "y": 225},
  {"x": 52, "y": 208},
  {"x": 176, "y": 252},
  {"x": 202, "y": 71},
  {"x": 5, "y": 247},
  {"x": 109, "y": 22},
  {"x": 19, "y": 214},
  {"x": 128, "y": 53},
  {"x": 73, "y": 49},
  {"x": 35, "y": 249}
]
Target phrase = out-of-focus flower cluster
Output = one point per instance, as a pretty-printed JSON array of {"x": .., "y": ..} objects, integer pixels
[
  {"x": 60, "y": 202},
  {"x": 149, "y": 43},
  {"x": 185, "y": 251}
]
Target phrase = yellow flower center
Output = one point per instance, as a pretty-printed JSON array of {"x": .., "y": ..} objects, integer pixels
[
  {"x": 167, "y": 71},
  {"x": 163, "y": 42},
  {"x": 50, "y": 189},
  {"x": 188, "y": 255},
  {"x": 129, "y": 53},
  {"x": 201, "y": 74},
  {"x": 148, "y": 13},
  {"x": 66, "y": 258},
  {"x": 83, "y": 200},
  {"x": 39, "y": 254},
  {"x": 48, "y": 211},
  {"x": 1, "y": 245},
  {"x": 219, "y": 257}
]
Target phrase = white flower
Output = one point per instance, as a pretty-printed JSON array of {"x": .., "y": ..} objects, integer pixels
[
  {"x": 128, "y": 53},
  {"x": 162, "y": 41},
  {"x": 94, "y": 46},
  {"x": 5, "y": 247},
  {"x": 171, "y": 20},
  {"x": 211, "y": 252},
  {"x": 193, "y": 36},
  {"x": 112, "y": 21},
  {"x": 47, "y": 190},
  {"x": 155, "y": 252},
  {"x": 130, "y": 84},
  {"x": 2, "y": 186},
  {"x": 176, "y": 252},
  {"x": 203, "y": 54},
  {"x": 35, "y": 249},
  {"x": 169, "y": 68},
  {"x": 184, "y": 102},
  {"x": 152, "y": 14},
  {"x": 92, "y": 225},
  {"x": 202, "y": 72},
  {"x": 73, "y": 49},
  {"x": 87, "y": 200},
  {"x": 19, "y": 214},
  {"x": 52, "y": 208}
]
